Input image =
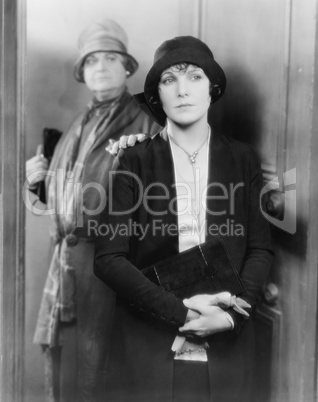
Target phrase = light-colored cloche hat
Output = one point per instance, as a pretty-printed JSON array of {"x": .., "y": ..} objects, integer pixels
[
  {"x": 181, "y": 49},
  {"x": 103, "y": 36}
]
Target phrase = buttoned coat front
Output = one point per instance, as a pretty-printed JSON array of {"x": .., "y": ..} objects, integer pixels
[{"x": 141, "y": 230}]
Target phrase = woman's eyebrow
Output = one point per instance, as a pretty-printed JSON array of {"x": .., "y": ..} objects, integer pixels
[
  {"x": 194, "y": 68},
  {"x": 169, "y": 72}
]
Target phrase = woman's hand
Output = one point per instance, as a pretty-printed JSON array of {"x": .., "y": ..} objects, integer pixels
[
  {"x": 125, "y": 141},
  {"x": 192, "y": 315},
  {"x": 36, "y": 168},
  {"x": 212, "y": 319},
  {"x": 224, "y": 300},
  {"x": 210, "y": 300}
]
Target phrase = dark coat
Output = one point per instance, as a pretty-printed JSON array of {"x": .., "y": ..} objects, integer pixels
[
  {"x": 147, "y": 318},
  {"x": 82, "y": 370}
]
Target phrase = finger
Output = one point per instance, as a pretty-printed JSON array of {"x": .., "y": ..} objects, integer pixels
[
  {"x": 242, "y": 303},
  {"x": 241, "y": 311},
  {"x": 110, "y": 145},
  {"x": 39, "y": 172},
  {"x": 141, "y": 137},
  {"x": 188, "y": 327},
  {"x": 35, "y": 166},
  {"x": 41, "y": 164},
  {"x": 115, "y": 148},
  {"x": 131, "y": 140},
  {"x": 191, "y": 329},
  {"x": 192, "y": 305},
  {"x": 203, "y": 299},
  {"x": 223, "y": 295},
  {"x": 186, "y": 302},
  {"x": 123, "y": 142},
  {"x": 110, "y": 150},
  {"x": 39, "y": 150},
  {"x": 208, "y": 300}
]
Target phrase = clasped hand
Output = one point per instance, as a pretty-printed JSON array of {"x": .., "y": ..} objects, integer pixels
[{"x": 205, "y": 317}]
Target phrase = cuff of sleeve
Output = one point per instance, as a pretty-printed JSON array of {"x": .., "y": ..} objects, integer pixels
[
  {"x": 238, "y": 319},
  {"x": 181, "y": 315}
]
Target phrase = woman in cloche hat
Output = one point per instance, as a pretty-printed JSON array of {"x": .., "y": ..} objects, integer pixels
[
  {"x": 187, "y": 194},
  {"x": 76, "y": 309}
]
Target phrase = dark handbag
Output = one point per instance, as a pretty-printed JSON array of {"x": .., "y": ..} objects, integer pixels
[
  {"x": 51, "y": 137},
  {"x": 204, "y": 269}
]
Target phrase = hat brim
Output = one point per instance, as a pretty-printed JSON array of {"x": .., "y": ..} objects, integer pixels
[
  {"x": 157, "y": 117},
  {"x": 131, "y": 64}
]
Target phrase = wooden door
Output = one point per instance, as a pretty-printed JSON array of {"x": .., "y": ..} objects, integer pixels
[
  {"x": 11, "y": 205},
  {"x": 268, "y": 51}
]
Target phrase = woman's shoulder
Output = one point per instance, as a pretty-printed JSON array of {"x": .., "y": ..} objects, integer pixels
[
  {"x": 150, "y": 143},
  {"x": 141, "y": 151},
  {"x": 236, "y": 146}
]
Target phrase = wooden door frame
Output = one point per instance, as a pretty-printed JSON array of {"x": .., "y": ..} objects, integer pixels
[
  {"x": 301, "y": 142},
  {"x": 12, "y": 111}
]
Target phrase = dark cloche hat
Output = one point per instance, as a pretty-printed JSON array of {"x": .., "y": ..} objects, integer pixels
[{"x": 181, "y": 49}]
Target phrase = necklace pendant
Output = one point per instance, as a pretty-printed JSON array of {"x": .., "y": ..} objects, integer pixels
[{"x": 193, "y": 157}]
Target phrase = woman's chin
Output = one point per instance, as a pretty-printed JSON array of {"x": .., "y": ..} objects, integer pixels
[{"x": 184, "y": 122}]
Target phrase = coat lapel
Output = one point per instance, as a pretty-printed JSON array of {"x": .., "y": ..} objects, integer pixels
[{"x": 161, "y": 167}]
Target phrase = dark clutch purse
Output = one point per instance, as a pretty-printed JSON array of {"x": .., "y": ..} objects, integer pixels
[
  {"x": 51, "y": 137},
  {"x": 204, "y": 269}
]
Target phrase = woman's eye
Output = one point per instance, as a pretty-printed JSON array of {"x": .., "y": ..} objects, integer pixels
[
  {"x": 90, "y": 60},
  {"x": 167, "y": 80},
  {"x": 110, "y": 57},
  {"x": 196, "y": 77}
]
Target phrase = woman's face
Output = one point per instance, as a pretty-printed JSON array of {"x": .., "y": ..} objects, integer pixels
[
  {"x": 105, "y": 74},
  {"x": 184, "y": 94}
]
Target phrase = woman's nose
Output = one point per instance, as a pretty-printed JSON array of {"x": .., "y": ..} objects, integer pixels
[
  {"x": 182, "y": 89},
  {"x": 102, "y": 64}
]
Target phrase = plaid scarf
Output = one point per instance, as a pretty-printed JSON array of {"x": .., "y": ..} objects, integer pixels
[
  {"x": 58, "y": 301},
  {"x": 62, "y": 197}
]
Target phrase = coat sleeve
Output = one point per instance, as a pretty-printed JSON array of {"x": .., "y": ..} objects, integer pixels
[
  {"x": 112, "y": 252},
  {"x": 258, "y": 256}
]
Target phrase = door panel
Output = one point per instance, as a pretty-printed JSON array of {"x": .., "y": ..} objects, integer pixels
[
  {"x": 268, "y": 51},
  {"x": 251, "y": 42}
]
